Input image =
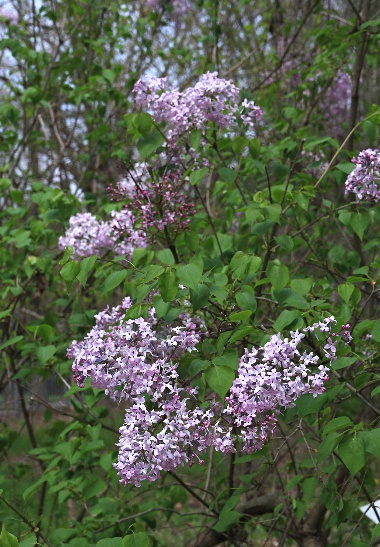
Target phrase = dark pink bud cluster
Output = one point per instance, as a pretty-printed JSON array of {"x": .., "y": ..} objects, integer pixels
[
  {"x": 364, "y": 181},
  {"x": 89, "y": 236},
  {"x": 158, "y": 205}
]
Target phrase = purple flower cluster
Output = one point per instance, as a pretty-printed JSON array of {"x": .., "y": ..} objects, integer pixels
[
  {"x": 9, "y": 15},
  {"x": 273, "y": 377},
  {"x": 89, "y": 236},
  {"x": 335, "y": 103},
  {"x": 128, "y": 358},
  {"x": 132, "y": 359},
  {"x": 136, "y": 360},
  {"x": 159, "y": 205},
  {"x": 365, "y": 178},
  {"x": 211, "y": 100}
]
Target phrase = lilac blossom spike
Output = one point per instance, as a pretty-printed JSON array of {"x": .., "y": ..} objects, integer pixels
[
  {"x": 211, "y": 100},
  {"x": 364, "y": 181},
  {"x": 88, "y": 236}
]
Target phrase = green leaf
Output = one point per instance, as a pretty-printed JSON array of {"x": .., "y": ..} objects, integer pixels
[
  {"x": 285, "y": 242},
  {"x": 295, "y": 300},
  {"x": 152, "y": 271},
  {"x": 166, "y": 257},
  {"x": 44, "y": 353},
  {"x": 168, "y": 286},
  {"x": 328, "y": 445},
  {"x": 226, "y": 520},
  {"x": 110, "y": 542},
  {"x": 351, "y": 451},
  {"x": 346, "y": 168},
  {"x": 220, "y": 379},
  {"x": 140, "y": 539},
  {"x": 372, "y": 23},
  {"x": 149, "y": 144},
  {"x": 371, "y": 132},
  {"x": 240, "y": 333},
  {"x": 195, "y": 138},
  {"x": 238, "y": 316},
  {"x": 376, "y": 331},
  {"x": 199, "y": 298},
  {"x": 359, "y": 223},
  {"x": 198, "y": 175},
  {"x": 230, "y": 358},
  {"x": 375, "y": 391},
  {"x": 307, "y": 404},
  {"x": 372, "y": 442},
  {"x": 70, "y": 270},
  {"x": 278, "y": 275},
  {"x": 337, "y": 423},
  {"x": 343, "y": 362},
  {"x": 66, "y": 255},
  {"x": 7, "y": 539},
  {"x": 85, "y": 266},
  {"x": 254, "y": 148},
  {"x": 189, "y": 276},
  {"x": 143, "y": 123},
  {"x": 345, "y": 291},
  {"x": 112, "y": 281},
  {"x": 11, "y": 341},
  {"x": 245, "y": 298},
  {"x": 31, "y": 490},
  {"x": 227, "y": 174},
  {"x": 301, "y": 286},
  {"x": 197, "y": 365},
  {"x": 286, "y": 319}
]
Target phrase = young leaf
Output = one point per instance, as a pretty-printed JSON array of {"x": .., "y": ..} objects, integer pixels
[
  {"x": 112, "y": 281},
  {"x": 220, "y": 379}
]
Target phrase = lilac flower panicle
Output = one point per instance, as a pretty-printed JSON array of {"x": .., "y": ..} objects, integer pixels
[
  {"x": 364, "y": 181},
  {"x": 272, "y": 377},
  {"x": 335, "y": 103},
  {"x": 86, "y": 235},
  {"x": 89, "y": 236},
  {"x": 128, "y": 358},
  {"x": 211, "y": 100}
]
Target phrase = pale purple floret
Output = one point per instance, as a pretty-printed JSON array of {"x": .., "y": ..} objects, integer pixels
[
  {"x": 364, "y": 181},
  {"x": 9, "y": 15},
  {"x": 211, "y": 100}
]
